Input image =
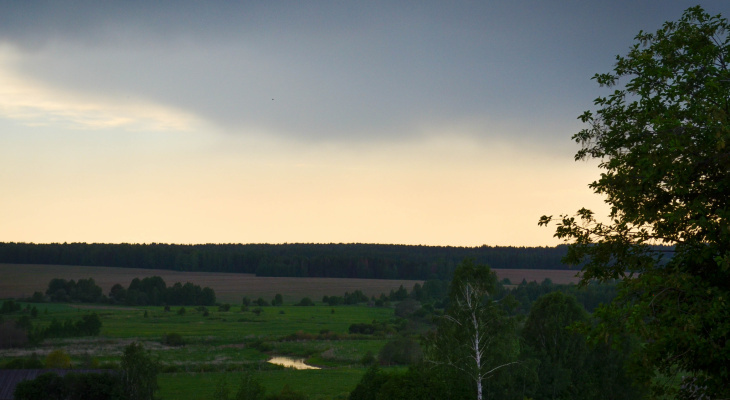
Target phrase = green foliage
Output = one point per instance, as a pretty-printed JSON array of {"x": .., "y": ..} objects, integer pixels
[
  {"x": 48, "y": 386},
  {"x": 475, "y": 336},
  {"x": 250, "y": 388},
  {"x": 24, "y": 363},
  {"x": 9, "y": 307},
  {"x": 567, "y": 367},
  {"x": 418, "y": 382},
  {"x": 221, "y": 391},
  {"x": 173, "y": 339},
  {"x": 139, "y": 373},
  {"x": 58, "y": 359},
  {"x": 85, "y": 290},
  {"x": 287, "y": 393},
  {"x": 73, "y": 386},
  {"x": 400, "y": 351},
  {"x": 302, "y": 260},
  {"x": 662, "y": 140},
  {"x": 369, "y": 385},
  {"x": 407, "y": 307},
  {"x": 278, "y": 300},
  {"x": 306, "y": 301}
]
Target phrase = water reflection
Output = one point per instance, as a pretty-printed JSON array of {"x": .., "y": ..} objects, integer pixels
[{"x": 291, "y": 363}]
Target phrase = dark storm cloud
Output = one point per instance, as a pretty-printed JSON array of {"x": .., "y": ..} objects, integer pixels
[{"x": 335, "y": 70}]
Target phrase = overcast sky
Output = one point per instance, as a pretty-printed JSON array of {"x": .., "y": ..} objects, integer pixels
[{"x": 423, "y": 122}]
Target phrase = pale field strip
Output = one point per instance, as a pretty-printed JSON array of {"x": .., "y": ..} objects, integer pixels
[{"x": 21, "y": 280}]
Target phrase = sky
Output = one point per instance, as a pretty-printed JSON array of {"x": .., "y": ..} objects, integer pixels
[{"x": 407, "y": 122}]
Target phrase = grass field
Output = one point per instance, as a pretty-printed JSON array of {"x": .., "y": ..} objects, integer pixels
[
  {"x": 21, "y": 280},
  {"x": 222, "y": 344}
]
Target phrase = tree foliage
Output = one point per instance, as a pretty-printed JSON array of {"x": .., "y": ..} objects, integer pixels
[
  {"x": 475, "y": 336},
  {"x": 663, "y": 141},
  {"x": 139, "y": 373}
]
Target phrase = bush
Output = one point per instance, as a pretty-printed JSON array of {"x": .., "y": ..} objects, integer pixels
[
  {"x": 9, "y": 307},
  {"x": 139, "y": 373},
  {"x": 400, "y": 351},
  {"x": 365, "y": 329},
  {"x": 305, "y": 302},
  {"x": 73, "y": 386},
  {"x": 58, "y": 359},
  {"x": 287, "y": 393},
  {"x": 48, "y": 386},
  {"x": 407, "y": 307},
  {"x": 173, "y": 339}
]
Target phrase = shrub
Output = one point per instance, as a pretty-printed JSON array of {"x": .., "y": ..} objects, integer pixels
[
  {"x": 401, "y": 351},
  {"x": 407, "y": 307},
  {"x": 173, "y": 339},
  {"x": 58, "y": 359},
  {"x": 287, "y": 393},
  {"x": 9, "y": 307},
  {"x": 305, "y": 302}
]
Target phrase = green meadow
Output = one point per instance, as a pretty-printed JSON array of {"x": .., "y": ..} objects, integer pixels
[{"x": 222, "y": 344}]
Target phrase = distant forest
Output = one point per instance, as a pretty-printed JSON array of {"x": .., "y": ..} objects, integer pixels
[{"x": 296, "y": 260}]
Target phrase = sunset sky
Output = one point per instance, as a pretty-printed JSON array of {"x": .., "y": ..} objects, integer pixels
[{"x": 409, "y": 122}]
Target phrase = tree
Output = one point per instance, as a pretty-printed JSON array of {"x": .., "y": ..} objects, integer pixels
[
  {"x": 561, "y": 352},
  {"x": 663, "y": 142},
  {"x": 475, "y": 336},
  {"x": 250, "y": 388},
  {"x": 139, "y": 373}
]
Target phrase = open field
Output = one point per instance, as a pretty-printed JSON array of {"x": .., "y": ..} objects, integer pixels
[
  {"x": 21, "y": 280},
  {"x": 223, "y": 344}
]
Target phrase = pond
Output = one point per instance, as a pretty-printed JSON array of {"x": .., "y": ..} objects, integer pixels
[{"x": 291, "y": 363}]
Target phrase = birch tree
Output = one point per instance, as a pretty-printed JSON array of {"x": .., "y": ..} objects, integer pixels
[{"x": 475, "y": 336}]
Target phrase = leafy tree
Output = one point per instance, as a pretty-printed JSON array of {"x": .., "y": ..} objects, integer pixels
[
  {"x": 475, "y": 336},
  {"x": 278, "y": 300},
  {"x": 561, "y": 352},
  {"x": 663, "y": 141},
  {"x": 139, "y": 373},
  {"x": 250, "y": 388},
  {"x": 9, "y": 307},
  {"x": 369, "y": 385},
  {"x": 305, "y": 301},
  {"x": 400, "y": 350},
  {"x": 48, "y": 386}
]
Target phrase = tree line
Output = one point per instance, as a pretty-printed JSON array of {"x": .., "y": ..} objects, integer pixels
[
  {"x": 355, "y": 260},
  {"x": 150, "y": 290}
]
